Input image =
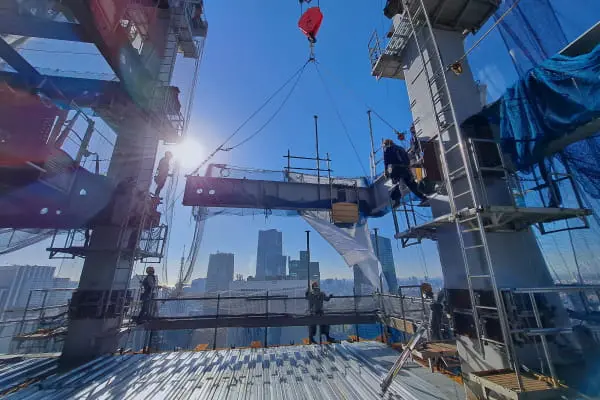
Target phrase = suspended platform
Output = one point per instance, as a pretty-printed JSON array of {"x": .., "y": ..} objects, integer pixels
[{"x": 496, "y": 219}]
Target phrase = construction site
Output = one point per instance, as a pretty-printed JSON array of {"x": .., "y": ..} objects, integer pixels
[{"x": 118, "y": 156}]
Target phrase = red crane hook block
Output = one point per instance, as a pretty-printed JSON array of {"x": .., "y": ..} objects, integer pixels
[{"x": 310, "y": 23}]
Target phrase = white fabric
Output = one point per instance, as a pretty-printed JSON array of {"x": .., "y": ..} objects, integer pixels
[{"x": 352, "y": 243}]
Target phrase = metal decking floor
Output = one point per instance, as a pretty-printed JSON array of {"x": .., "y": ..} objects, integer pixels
[{"x": 341, "y": 371}]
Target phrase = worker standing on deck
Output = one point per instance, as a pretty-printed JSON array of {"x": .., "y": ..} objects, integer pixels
[
  {"x": 436, "y": 316},
  {"x": 315, "y": 299},
  {"x": 162, "y": 172},
  {"x": 149, "y": 286},
  {"x": 397, "y": 167}
]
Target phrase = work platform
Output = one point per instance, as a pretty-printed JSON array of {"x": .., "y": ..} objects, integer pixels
[
  {"x": 260, "y": 320},
  {"x": 496, "y": 219},
  {"x": 504, "y": 382},
  {"x": 447, "y": 15},
  {"x": 349, "y": 371}
]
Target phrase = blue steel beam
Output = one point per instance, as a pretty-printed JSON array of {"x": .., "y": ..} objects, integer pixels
[
  {"x": 42, "y": 28},
  {"x": 29, "y": 74},
  {"x": 86, "y": 92},
  {"x": 276, "y": 195}
]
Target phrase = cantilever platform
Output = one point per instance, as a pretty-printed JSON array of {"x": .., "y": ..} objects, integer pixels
[{"x": 496, "y": 219}]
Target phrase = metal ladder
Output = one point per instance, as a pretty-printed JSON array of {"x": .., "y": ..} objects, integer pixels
[{"x": 451, "y": 143}]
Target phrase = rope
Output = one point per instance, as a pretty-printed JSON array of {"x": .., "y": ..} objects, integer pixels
[
  {"x": 424, "y": 261},
  {"x": 575, "y": 258},
  {"x": 360, "y": 100},
  {"x": 220, "y": 147},
  {"x": 337, "y": 111},
  {"x": 476, "y": 44},
  {"x": 272, "y": 117}
]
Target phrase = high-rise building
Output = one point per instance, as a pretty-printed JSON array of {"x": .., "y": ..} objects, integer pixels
[
  {"x": 198, "y": 286},
  {"x": 270, "y": 261},
  {"x": 383, "y": 249},
  {"x": 362, "y": 285},
  {"x": 299, "y": 268},
  {"x": 220, "y": 272}
]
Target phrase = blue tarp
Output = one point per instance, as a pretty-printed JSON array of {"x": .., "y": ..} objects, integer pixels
[{"x": 551, "y": 101}]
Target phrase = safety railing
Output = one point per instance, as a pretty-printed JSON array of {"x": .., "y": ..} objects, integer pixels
[
  {"x": 533, "y": 314},
  {"x": 277, "y": 304}
]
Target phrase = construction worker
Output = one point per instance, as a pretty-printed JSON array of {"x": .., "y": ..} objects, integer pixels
[
  {"x": 397, "y": 167},
  {"x": 162, "y": 172},
  {"x": 315, "y": 299},
  {"x": 149, "y": 285},
  {"x": 436, "y": 316}
]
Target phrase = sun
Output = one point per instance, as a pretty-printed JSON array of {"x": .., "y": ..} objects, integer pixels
[{"x": 188, "y": 153}]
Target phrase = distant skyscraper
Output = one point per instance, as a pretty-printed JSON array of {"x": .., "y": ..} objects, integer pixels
[
  {"x": 299, "y": 270},
  {"x": 386, "y": 258},
  {"x": 270, "y": 261},
  {"x": 198, "y": 285},
  {"x": 362, "y": 286},
  {"x": 220, "y": 272}
]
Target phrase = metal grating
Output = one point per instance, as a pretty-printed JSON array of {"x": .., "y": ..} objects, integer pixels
[{"x": 344, "y": 371}]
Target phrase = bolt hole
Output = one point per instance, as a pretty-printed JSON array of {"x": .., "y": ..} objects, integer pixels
[
  {"x": 199, "y": 191},
  {"x": 83, "y": 192},
  {"x": 211, "y": 192},
  {"x": 44, "y": 211}
]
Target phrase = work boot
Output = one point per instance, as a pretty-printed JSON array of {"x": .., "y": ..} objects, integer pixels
[
  {"x": 424, "y": 203},
  {"x": 332, "y": 340}
]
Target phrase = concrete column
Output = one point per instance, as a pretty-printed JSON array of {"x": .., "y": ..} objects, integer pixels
[
  {"x": 517, "y": 259},
  {"x": 96, "y": 307}
]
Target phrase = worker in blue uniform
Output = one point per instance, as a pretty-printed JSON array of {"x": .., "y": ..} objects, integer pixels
[
  {"x": 315, "y": 299},
  {"x": 397, "y": 168}
]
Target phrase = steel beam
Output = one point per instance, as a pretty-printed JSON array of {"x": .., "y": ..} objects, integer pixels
[
  {"x": 278, "y": 195},
  {"x": 16, "y": 61},
  {"x": 41, "y": 28},
  {"x": 87, "y": 92}
]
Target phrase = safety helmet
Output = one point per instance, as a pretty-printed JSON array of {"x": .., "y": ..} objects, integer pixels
[
  {"x": 150, "y": 270},
  {"x": 426, "y": 290},
  {"x": 388, "y": 142},
  {"x": 314, "y": 284}
]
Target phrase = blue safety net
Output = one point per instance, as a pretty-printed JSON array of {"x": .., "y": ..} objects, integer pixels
[{"x": 552, "y": 101}]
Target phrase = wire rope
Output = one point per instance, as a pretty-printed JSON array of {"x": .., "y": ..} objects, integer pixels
[
  {"x": 272, "y": 117},
  {"x": 235, "y": 132},
  {"x": 359, "y": 98},
  {"x": 476, "y": 44},
  {"x": 337, "y": 111}
]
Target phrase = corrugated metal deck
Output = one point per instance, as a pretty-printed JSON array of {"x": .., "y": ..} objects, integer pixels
[{"x": 341, "y": 371}]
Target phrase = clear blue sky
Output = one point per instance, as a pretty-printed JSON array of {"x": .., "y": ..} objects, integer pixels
[{"x": 250, "y": 50}]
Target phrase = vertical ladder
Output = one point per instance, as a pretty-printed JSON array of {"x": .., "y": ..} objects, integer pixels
[{"x": 457, "y": 170}]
